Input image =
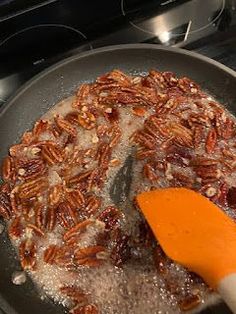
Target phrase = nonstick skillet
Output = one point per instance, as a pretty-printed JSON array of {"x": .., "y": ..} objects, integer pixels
[{"x": 60, "y": 81}]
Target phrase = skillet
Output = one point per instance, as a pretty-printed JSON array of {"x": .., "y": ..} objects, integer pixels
[{"x": 59, "y": 82}]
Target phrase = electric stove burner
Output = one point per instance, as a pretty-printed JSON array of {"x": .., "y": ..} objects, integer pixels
[
  {"x": 181, "y": 19},
  {"x": 30, "y": 50},
  {"x": 39, "y": 42}
]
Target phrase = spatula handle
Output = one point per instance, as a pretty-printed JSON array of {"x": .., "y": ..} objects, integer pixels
[{"x": 227, "y": 290}]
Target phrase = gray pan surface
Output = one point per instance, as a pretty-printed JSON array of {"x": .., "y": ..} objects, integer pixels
[{"x": 60, "y": 81}]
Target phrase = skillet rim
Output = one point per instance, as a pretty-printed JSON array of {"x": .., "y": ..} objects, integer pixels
[{"x": 95, "y": 51}]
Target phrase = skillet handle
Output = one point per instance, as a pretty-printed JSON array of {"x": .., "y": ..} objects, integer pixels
[{"x": 227, "y": 289}]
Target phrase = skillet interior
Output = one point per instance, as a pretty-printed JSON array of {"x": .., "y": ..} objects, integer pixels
[{"x": 58, "y": 82}]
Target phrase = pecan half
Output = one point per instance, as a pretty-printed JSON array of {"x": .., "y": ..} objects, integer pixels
[
  {"x": 8, "y": 169},
  {"x": 189, "y": 302},
  {"x": 67, "y": 215},
  {"x": 211, "y": 141},
  {"x": 85, "y": 309},
  {"x": 50, "y": 253},
  {"x": 52, "y": 154},
  {"x": 121, "y": 251},
  {"x": 15, "y": 229},
  {"x": 75, "y": 293},
  {"x": 88, "y": 256},
  {"x": 65, "y": 126},
  {"x": 55, "y": 195},
  {"x": 110, "y": 216},
  {"x": 77, "y": 230},
  {"x": 33, "y": 188},
  {"x": 27, "y": 253},
  {"x": 5, "y": 205},
  {"x": 29, "y": 169}
]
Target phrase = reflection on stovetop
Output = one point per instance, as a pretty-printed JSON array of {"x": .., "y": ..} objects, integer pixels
[
  {"x": 36, "y": 35},
  {"x": 33, "y": 39}
]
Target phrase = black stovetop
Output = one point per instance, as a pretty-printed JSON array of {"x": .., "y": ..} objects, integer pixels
[{"x": 35, "y": 34}]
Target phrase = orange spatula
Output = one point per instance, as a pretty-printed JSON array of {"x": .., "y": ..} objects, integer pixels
[{"x": 195, "y": 233}]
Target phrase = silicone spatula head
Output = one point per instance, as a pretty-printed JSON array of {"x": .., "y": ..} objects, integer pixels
[{"x": 192, "y": 231}]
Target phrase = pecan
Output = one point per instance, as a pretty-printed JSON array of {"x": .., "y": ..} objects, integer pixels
[
  {"x": 15, "y": 229},
  {"x": 203, "y": 162},
  {"x": 103, "y": 154},
  {"x": 87, "y": 120},
  {"x": 145, "y": 153},
  {"x": 27, "y": 138},
  {"x": 81, "y": 96},
  {"x": 52, "y": 154},
  {"x": 229, "y": 129},
  {"x": 115, "y": 76},
  {"x": 65, "y": 126},
  {"x": 85, "y": 309},
  {"x": 27, "y": 253},
  {"x": 198, "y": 133},
  {"x": 51, "y": 217},
  {"x": 189, "y": 302},
  {"x": 231, "y": 197},
  {"x": 182, "y": 135},
  {"x": 77, "y": 230},
  {"x": 37, "y": 231},
  {"x": 211, "y": 141},
  {"x": 29, "y": 169},
  {"x": 188, "y": 86},
  {"x": 5, "y": 205},
  {"x": 17, "y": 150},
  {"x": 67, "y": 215},
  {"x": 75, "y": 294},
  {"x": 92, "y": 205},
  {"x": 157, "y": 127},
  {"x": 111, "y": 114},
  {"x": 115, "y": 135},
  {"x": 33, "y": 188},
  {"x": 40, "y": 127},
  {"x": 55, "y": 195},
  {"x": 40, "y": 216},
  {"x": 8, "y": 169},
  {"x": 50, "y": 254},
  {"x": 83, "y": 176},
  {"x": 110, "y": 216},
  {"x": 149, "y": 172},
  {"x": 73, "y": 117},
  {"x": 88, "y": 256},
  {"x": 143, "y": 138},
  {"x": 179, "y": 179},
  {"x": 64, "y": 257},
  {"x": 121, "y": 251},
  {"x": 75, "y": 198},
  {"x": 139, "y": 111}
]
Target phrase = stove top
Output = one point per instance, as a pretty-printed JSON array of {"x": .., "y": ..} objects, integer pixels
[{"x": 35, "y": 34}]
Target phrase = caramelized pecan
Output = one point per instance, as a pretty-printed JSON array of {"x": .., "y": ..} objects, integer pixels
[
  {"x": 50, "y": 253},
  {"x": 85, "y": 309},
  {"x": 211, "y": 141},
  {"x": 8, "y": 169},
  {"x": 77, "y": 230},
  {"x": 15, "y": 229},
  {"x": 67, "y": 215},
  {"x": 5, "y": 205},
  {"x": 110, "y": 216},
  {"x": 189, "y": 302},
  {"x": 33, "y": 187},
  {"x": 27, "y": 253},
  {"x": 89, "y": 256},
  {"x": 52, "y": 154},
  {"x": 65, "y": 126}
]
